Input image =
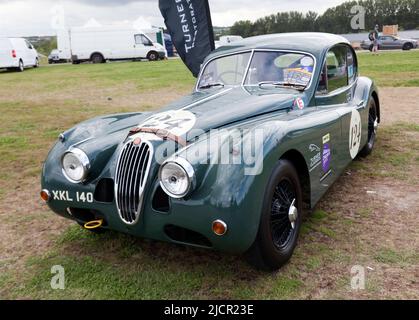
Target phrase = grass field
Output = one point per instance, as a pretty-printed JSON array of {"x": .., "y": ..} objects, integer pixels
[
  {"x": 391, "y": 69},
  {"x": 362, "y": 220}
]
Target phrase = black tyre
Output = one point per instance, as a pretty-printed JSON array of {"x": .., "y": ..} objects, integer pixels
[
  {"x": 407, "y": 46},
  {"x": 21, "y": 67},
  {"x": 36, "y": 63},
  {"x": 153, "y": 56},
  {"x": 372, "y": 128},
  {"x": 97, "y": 58},
  {"x": 279, "y": 225},
  {"x": 371, "y": 47}
]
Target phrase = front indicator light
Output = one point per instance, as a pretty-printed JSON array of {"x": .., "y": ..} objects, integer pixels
[
  {"x": 45, "y": 195},
  {"x": 219, "y": 227}
]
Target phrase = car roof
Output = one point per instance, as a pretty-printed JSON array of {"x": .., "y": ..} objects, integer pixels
[{"x": 315, "y": 43}]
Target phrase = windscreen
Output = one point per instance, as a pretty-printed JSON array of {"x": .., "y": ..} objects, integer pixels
[{"x": 280, "y": 67}]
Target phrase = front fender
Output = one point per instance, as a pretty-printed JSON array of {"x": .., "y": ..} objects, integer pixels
[
  {"x": 98, "y": 138},
  {"x": 234, "y": 192}
]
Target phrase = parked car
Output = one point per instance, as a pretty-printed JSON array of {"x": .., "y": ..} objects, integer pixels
[
  {"x": 17, "y": 54},
  {"x": 54, "y": 57},
  {"x": 101, "y": 44},
  {"x": 390, "y": 43},
  {"x": 272, "y": 123},
  {"x": 226, "y": 40}
]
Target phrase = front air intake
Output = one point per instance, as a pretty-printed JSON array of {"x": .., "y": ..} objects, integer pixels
[{"x": 131, "y": 177}]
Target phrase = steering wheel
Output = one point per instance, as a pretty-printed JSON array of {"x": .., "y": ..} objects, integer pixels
[{"x": 238, "y": 74}]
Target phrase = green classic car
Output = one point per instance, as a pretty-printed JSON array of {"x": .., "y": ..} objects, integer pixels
[{"x": 272, "y": 123}]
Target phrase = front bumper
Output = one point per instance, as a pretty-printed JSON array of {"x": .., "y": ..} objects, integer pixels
[{"x": 183, "y": 218}]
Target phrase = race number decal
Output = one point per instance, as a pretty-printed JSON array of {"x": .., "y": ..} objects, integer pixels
[
  {"x": 177, "y": 122},
  {"x": 355, "y": 134}
]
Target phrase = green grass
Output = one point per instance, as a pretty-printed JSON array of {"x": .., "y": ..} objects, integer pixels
[
  {"x": 391, "y": 256},
  {"x": 391, "y": 69},
  {"x": 391, "y": 158}
]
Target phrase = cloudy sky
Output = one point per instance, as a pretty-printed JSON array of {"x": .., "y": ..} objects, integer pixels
[{"x": 38, "y": 17}]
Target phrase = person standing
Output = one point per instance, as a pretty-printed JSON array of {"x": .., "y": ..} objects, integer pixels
[{"x": 375, "y": 35}]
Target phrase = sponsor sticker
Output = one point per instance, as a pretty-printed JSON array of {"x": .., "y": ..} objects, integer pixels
[
  {"x": 327, "y": 157},
  {"x": 317, "y": 158},
  {"x": 326, "y": 138},
  {"x": 299, "y": 103},
  {"x": 355, "y": 134}
]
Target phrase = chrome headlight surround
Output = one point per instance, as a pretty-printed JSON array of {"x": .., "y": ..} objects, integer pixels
[
  {"x": 83, "y": 160},
  {"x": 188, "y": 172}
]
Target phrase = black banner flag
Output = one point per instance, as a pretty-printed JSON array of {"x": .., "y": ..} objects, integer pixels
[{"x": 189, "y": 24}]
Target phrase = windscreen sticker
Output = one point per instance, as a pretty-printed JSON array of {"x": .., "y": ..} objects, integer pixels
[
  {"x": 355, "y": 134},
  {"x": 177, "y": 122},
  {"x": 300, "y": 76},
  {"x": 307, "y": 62},
  {"x": 350, "y": 71}
]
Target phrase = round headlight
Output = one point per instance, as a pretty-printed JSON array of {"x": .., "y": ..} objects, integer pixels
[
  {"x": 75, "y": 164},
  {"x": 177, "y": 178}
]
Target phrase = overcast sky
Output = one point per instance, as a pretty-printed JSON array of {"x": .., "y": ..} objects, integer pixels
[{"x": 38, "y": 17}]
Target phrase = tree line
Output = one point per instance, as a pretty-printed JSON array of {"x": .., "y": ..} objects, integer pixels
[{"x": 337, "y": 20}]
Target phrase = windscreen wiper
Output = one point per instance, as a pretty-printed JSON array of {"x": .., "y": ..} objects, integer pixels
[
  {"x": 211, "y": 85},
  {"x": 297, "y": 86}
]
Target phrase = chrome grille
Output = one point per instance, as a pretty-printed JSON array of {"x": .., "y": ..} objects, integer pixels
[{"x": 131, "y": 176}]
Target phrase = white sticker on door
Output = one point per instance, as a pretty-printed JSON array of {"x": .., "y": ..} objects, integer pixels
[{"x": 355, "y": 134}]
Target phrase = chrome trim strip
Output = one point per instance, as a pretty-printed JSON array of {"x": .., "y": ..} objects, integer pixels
[
  {"x": 207, "y": 98},
  {"x": 248, "y": 67}
]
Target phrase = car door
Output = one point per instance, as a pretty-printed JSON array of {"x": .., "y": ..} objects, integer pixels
[
  {"x": 386, "y": 43},
  {"x": 142, "y": 46},
  {"x": 353, "y": 111},
  {"x": 31, "y": 53},
  {"x": 335, "y": 93}
]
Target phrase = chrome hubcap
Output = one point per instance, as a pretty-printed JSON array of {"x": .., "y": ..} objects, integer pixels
[
  {"x": 375, "y": 126},
  {"x": 293, "y": 214}
]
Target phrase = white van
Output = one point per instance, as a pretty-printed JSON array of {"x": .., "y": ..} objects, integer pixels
[
  {"x": 99, "y": 44},
  {"x": 17, "y": 54}
]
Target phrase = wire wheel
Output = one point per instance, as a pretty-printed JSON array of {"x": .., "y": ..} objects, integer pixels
[
  {"x": 372, "y": 125},
  {"x": 281, "y": 225}
]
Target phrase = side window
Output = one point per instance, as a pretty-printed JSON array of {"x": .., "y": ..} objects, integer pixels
[
  {"x": 337, "y": 71},
  {"x": 28, "y": 45},
  {"x": 352, "y": 66},
  {"x": 141, "y": 39}
]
